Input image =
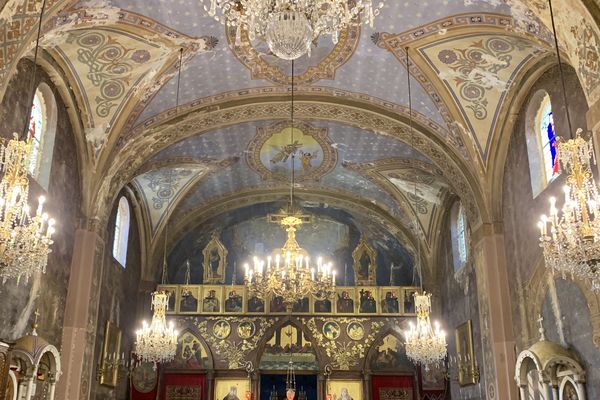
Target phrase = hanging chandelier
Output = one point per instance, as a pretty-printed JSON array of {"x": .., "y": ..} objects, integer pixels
[
  {"x": 290, "y": 26},
  {"x": 570, "y": 239},
  {"x": 425, "y": 345},
  {"x": 157, "y": 342},
  {"x": 290, "y": 274},
  {"x": 24, "y": 239}
]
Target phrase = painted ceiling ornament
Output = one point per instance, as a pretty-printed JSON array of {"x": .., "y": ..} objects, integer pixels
[
  {"x": 290, "y": 27},
  {"x": 571, "y": 245},
  {"x": 269, "y": 153},
  {"x": 323, "y": 63}
]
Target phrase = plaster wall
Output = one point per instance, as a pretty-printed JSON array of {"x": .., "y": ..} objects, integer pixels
[
  {"x": 46, "y": 292},
  {"x": 521, "y": 211}
]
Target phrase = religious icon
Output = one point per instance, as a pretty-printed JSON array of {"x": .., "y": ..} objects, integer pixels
[
  {"x": 191, "y": 353},
  {"x": 306, "y": 159},
  {"x": 323, "y": 306},
  {"x": 331, "y": 330},
  {"x": 215, "y": 256},
  {"x": 172, "y": 291},
  {"x": 277, "y": 305},
  {"x": 211, "y": 302},
  {"x": 189, "y": 299},
  {"x": 409, "y": 300},
  {"x": 144, "y": 377},
  {"x": 111, "y": 348},
  {"x": 301, "y": 306},
  {"x": 463, "y": 336},
  {"x": 234, "y": 302},
  {"x": 389, "y": 303},
  {"x": 345, "y": 389},
  {"x": 221, "y": 329},
  {"x": 345, "y": 303},
  {"x": 256, "y": 305},
  {"x": 246, "y": 329},
  {"x": 364, "y": 263},
  {"x": 232, "y": 395},
  {"x": 355, "y": 330},
  {"x": 367, "y": 303}
]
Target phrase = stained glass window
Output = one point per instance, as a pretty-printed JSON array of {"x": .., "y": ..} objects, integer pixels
[
  {"x": 121, "y": 232},
  {"x": 37, "y": 126},
  {"x": 548, "y": 140}
]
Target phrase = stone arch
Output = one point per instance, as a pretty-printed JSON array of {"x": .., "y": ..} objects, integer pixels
[
  {"x": 391, "y": 330},
  {"x": 191, "y": 329}
]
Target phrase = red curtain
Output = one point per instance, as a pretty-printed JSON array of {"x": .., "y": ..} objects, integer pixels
[
  {"x": 392, "y": 387},
  {"x": 178, "y": 379}
]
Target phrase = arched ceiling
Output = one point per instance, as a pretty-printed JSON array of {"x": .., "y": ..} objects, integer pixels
[{"x": 219, "y": 148}]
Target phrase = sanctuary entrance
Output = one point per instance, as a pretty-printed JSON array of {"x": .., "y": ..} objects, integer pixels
[{"x": 273, "y": 387}]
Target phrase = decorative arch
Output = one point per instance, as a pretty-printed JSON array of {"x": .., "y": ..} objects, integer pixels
[
  {"x": 186, "y": 341},
  {"x": 391, "y": 330}
]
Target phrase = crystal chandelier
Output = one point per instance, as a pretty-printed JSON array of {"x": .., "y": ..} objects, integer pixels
[
  {"x": 157, "y": 342},
  {"x": 571, "y": 244},
  {"x": 290, "y": 274},
  {"x": 24, "y": 239},
  {"x": 290, "y": 26},
  {"x": 425, "y": 345}
]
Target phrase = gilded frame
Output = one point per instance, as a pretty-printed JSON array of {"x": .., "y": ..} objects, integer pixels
[
  {"x": 209, "y": 307},
  {"x": 364, "y": 249},
  {"x": 191, "y": 290},
  {"x": 386, "y": 308},
  {"x": 111, "y": 349},
  {"x": 214, "y": 248},
  {"x": 463, "y": 336},
  {"x": 408, "y": 296},
  {"x": 173, "y": 306},
  {"x": 237, "y": 290}
]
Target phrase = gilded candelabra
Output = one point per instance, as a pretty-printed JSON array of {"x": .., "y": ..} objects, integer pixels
[
  {"x": 570, "y": 238},
  {"x": 291, "y": 274}
]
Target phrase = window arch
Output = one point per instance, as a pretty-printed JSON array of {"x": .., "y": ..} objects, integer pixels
[
  {"x": 541, "y": 142},
  {"x": 460, "y": 236},
  {"x": 121, "y": 231},
  {"x": 41, "y": 134}
]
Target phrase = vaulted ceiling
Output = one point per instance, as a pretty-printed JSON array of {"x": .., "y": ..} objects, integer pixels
[{"x": 221, "y": 149}]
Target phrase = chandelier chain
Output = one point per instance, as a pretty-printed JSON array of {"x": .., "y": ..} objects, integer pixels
[{"x": 560, "y": 69}]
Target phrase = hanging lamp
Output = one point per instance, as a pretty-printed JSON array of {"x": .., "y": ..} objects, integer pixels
[{"x": 425, "y": 345}]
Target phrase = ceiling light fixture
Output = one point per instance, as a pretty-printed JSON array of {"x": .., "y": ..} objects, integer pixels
[
  {"x": 24, "y": 239},
  {"x": 291, "y": 274},
  {"x": 290, "y": 26},
  {"x": 571, "y": 238},
  {"x": 424, "y": 345}
]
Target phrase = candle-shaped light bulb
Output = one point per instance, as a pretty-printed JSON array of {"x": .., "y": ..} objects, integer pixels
[
  {"x": 268, "y": 263},
  {"x": 541, "y": 226},
  {"x": 246, "y": 269},
  {"x": 307, "y": 262},
  {"x": 333, "y": 278},
  {"x": 312, "y": 274},
  {"x": 41, "y": 202},
  {"x": 277, "y": 258}
]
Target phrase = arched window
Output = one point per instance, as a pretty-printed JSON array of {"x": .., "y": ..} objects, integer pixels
[
  {"x": 41, "y": 133},
  {"x": 459, "y": 234},
  {"x": 541, "y": 142},
  {"x": 121, "y": 232}
]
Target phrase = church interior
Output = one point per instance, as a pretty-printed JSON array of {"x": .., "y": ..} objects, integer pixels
[{"x": 299, "y": 199}]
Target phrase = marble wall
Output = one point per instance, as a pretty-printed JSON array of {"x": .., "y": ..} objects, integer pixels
[
  {"x": 521, "y": 212},
  {"x": 46, "y": 292}
]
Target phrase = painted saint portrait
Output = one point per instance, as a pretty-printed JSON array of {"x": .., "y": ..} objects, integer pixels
[
  {"x": 232, "y": 395},
  {"x": 171, "y": 290},
  {"x": 391, "y": 356},
  {"x": 190, "y": 353},
  {"x": 215, "y": 260},
  {"x": 189, "y": 299},
  {"x": 301, "y": 306},
  {"x": 288, "y": 342},
  {"x": 367, "y": 303},
  {"x": 345, "y": 389},
  {"x": 246, "y": 329},
  {"x": 323, "y": 306},
  {"x": 277, "y": 305},
  {"x": 234, "y": 302},
  {"x": 345, "y": 303},
  {"x": 331, "y": 330},
  {"x": 211, "y": 303},
  {"x": 390, "y": 303},
  {"x": 409, "y": 301},
  {"x": 355, "y": 330},
  {"x": 365, "y": 268},
  {"x": 256, "y": 305}
]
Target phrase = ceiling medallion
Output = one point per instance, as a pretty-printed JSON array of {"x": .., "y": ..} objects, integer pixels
[
  {"x": 323, "y": 63},
  {"x": 290, "y": 27},
  {"x": 269, "y": 153}
]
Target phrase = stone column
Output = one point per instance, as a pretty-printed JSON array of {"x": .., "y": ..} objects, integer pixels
[
  {"x": 51, "y": 390},
  {"x": 210, "y": 381},
  {"x": 581, "y": 391},
  {"x": 29, "y": 388},
  {"x": 495, "y": 313},
  {"x": 81, "y": 314},
  {"x": 523, "y": 392},
  {"x": 4, "y": 368},
  {"x": 367, "y": 385},
  {"x": 321, "y": 387}
]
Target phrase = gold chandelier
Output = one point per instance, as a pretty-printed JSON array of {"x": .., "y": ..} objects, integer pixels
[
  {"x": 24, "y": 239},
  {"x": 290, "y": 27},
  {"x": 157, "y": 342},
  {"x": 571, "y": 238},
  {"x": 291, "y": 274},
  {"x": 425, "y": 345}
]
